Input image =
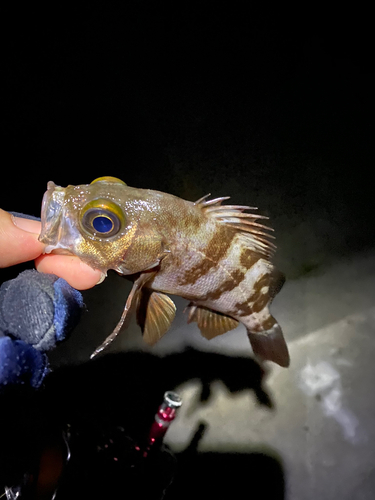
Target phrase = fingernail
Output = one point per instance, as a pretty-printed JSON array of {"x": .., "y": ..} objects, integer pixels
[
  {"x": 102, "y": 278},
  {"x": 31, "y": 226}
]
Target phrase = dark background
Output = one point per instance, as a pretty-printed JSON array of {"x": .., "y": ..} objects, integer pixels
[{"x": 273, "y": 107}]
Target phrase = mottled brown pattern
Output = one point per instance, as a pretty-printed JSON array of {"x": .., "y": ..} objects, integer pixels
[
  {"x": 248, "y": 258},
  {"x": 261, "y": 302},
  {"x": 244, "y": 308},
  {"x": 193, "y": 222},
  {"x": 216, "y": 249},
  {"x": 268, "y": 323},
  {"x": 229, "y": 284}
]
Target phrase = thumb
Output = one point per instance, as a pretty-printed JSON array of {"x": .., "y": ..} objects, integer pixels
[{"x": 18, "y": 239}]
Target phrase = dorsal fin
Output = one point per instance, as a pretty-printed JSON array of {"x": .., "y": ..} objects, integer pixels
[{"x": 243, "y": 222}]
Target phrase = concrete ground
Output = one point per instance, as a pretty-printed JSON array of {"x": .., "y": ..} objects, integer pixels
[
  {"x": 317, "y": 426},
  {"x": 322, "y": 425}
]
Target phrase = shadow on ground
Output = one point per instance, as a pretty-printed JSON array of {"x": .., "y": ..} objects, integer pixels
[
  {"x": 226, "y": 475},
  {"x": 113, "y": 400}
]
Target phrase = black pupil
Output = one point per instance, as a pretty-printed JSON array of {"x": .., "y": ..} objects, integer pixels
[{"x": 102, "y": 224}]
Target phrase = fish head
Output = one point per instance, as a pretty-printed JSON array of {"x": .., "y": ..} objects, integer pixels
[{"x": 88, "y": 221}]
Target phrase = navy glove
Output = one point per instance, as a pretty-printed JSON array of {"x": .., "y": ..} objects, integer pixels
[{"x": 36, "y": 311}]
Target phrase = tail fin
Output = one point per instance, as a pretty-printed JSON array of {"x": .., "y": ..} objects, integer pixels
[{"x": 270, "y": 345}]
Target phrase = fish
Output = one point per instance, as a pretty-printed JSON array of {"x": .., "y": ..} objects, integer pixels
[{"x": 217, "y": 256}]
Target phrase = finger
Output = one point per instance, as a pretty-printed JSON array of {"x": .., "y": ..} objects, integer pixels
[
  {"x": 78, "y": 274},
  {"x": 18, "y": 239}
]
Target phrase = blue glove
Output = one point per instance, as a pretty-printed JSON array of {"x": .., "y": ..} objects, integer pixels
[{"x": 36, "y": 311}]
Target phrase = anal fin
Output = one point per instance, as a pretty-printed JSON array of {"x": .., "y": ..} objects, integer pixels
[{"x": 210, "y": 323}]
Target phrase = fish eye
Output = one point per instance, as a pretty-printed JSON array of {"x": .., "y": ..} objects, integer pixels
[
  {"x": 102, "y": 223},
  {"x": 102, "y": 218}
]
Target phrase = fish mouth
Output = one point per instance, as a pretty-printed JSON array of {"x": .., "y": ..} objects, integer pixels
[
  {"x": 52, "y": 216},
  {"x": 52, "y": 249}
]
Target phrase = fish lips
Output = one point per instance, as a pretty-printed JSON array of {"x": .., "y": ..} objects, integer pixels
[{"x": 52, "y": 218}]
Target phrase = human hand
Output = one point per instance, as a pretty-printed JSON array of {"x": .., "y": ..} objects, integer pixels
[{"x": 19, "y": 243}]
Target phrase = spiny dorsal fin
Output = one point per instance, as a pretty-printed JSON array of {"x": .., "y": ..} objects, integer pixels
[{"x": 244, "y": 222}]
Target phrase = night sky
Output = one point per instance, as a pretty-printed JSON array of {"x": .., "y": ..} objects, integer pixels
[{"x": 274, "y": 108}]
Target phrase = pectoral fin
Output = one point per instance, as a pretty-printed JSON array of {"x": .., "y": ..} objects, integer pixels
[
  {"x": 155, "y": 313},
  {"x": 149, "y": 252},
  {"x": 270, "y": 345},
  {"x": 210, "y": 323},
  {"x": 131, "y": 300}
]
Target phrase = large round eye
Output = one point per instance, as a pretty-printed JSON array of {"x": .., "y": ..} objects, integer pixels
[{"x": 102, "y": 218}]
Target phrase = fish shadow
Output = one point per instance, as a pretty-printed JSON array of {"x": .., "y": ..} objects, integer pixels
[
  {"x": 124, "y": 390},
  {"x": 106, "y": 386}
]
